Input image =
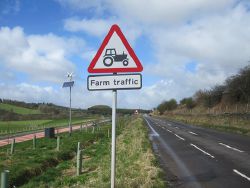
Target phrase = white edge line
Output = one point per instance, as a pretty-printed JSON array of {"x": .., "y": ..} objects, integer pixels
[
  {"x": 154, "y": 132},
  {"x": 202, "y": 151},
  {"x": 242, "y": 175},
  {"x": 231, "y": 147},
  {"x": 179, "y": 137},
  {"x": 192, "y": 133}
]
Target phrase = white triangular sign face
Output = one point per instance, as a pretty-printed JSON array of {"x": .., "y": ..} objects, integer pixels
[
  {"x": 115, "y": 55},
  {"x": 119, "y": 54}
]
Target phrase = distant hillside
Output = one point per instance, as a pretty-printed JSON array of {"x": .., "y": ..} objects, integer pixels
[
  {"x": 100, "y": 109},
  {"x": 18, "y": 110},
  {"x": 106, "y": 110}
]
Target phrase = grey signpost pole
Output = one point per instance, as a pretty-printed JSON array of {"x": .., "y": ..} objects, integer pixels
[
  {"x": 113, "y": 151},
  {"x": 70, "y": 127},
  {"x": 69, "y": 84}
]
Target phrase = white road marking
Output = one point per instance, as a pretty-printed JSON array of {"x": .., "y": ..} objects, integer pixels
[
  {"x": 235, "y": 149},
  {"x": 177, "y": 127},
  {"x": 242, "y": 175},
  {"x": 202, "y": 151},
  {"x": 169, "y": 124},
  {"x": 169, "y": 131},
  {"x": 154, "y": 132},
  {"x": 179, "y": 137},
  {"x": 192, "y": 133}
]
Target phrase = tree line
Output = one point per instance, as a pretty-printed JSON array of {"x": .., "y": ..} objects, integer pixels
[{"x": 235, "y": 90}]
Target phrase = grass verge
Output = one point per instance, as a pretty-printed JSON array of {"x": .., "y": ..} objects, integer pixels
[
  {"x": 219, "y": 122},
  {"x": 135, "y": 165},
  {"x": 27, "y": 162}
]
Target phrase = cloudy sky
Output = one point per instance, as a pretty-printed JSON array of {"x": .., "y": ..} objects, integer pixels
[{"x": 183, "y": 46}]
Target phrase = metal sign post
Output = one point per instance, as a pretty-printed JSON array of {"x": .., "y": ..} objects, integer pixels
[
  {"x": 70, "y": 127},
  {"x": 113, "y": 150},
  {"x": 70, "y": 85}
]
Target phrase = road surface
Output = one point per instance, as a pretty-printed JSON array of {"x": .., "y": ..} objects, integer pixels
[{"x": 198, "y": 157}]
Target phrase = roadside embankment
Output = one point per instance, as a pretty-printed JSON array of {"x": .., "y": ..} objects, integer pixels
[{"x": 236, "y": 123}]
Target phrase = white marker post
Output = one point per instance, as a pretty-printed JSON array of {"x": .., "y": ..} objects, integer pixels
[
  {"x": 113, "y": 151},
  {"x": 115, "y": 55}
]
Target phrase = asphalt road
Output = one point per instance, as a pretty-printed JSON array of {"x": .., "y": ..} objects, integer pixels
[{"x": 198, "y": 157}]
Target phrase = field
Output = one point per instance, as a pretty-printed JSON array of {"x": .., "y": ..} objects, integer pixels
[
  {"x": 18, "y": 110},
  {"x": 46, "y": 167},
  {"x": 7, "y": 127}
]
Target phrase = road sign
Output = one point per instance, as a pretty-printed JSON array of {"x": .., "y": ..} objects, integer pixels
[
  {"x": 111, "y": 82},
  {"x": 115, "y": 55}
]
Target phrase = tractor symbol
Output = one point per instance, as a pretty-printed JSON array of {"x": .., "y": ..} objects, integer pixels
[{"x": 111, "y": 56}]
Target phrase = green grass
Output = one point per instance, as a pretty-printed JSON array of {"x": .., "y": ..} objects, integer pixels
[
  {"x": 27, "y": 162},
  {"x": 18, "y": 110},
  {"x": 136, "y": 164},
  {"x": 20, "y": 126}
]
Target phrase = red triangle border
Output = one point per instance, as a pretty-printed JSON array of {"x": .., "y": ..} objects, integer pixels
[{"x": 115, "y": 28}]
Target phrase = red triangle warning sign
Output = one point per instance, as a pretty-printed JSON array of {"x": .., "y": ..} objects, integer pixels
[{"x": 115, "y": 55}]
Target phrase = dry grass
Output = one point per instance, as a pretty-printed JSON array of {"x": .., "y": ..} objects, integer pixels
[
  {"x": 226, "y": 122},
  {"x": 135, "y": 161}
]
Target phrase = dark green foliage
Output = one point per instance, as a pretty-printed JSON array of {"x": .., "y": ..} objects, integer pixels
[
  {"x": 238, "y": 87},
  {"x": 189, "y": 102},
  {"x": 167, "y": 106}
]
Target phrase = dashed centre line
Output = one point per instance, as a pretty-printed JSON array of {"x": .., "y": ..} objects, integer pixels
[
  {"x": 235, "y": 149},
  {"x": 179, "y": 137},
  {"x": 202, "y": 151},
  {"x": 242, "y": 175},
  {"x": 192, "y": 133},
  {"x": 169, "y": 130}
]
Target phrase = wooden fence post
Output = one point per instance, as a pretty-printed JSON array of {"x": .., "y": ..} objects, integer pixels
[
  {"x": 79, "y": 160},
  {"x": 34, "y": 141},
  {"x": 12, "y": 149},
  {"x": 58, "y": 143},
  {"x": 4, "y": 179}
]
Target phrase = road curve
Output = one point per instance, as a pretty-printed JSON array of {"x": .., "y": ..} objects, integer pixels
[{"x": 199, "y": 157}]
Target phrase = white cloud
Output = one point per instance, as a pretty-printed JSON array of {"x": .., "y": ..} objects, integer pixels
[
  {"x": 163, "y": 12},
  {"x": 79, "y": 5},
  {"x": 81, "y": 98},
  {"x": 218, "y": 44},
  {"x": 96, "y": 27},
  {"x": 42, "y": 57},
  {"x": 100, "y": 27}
]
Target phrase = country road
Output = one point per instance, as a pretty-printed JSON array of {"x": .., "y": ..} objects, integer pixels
[{"x": 198, "y": 157}]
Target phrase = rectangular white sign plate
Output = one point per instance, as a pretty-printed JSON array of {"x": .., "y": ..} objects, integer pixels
[{"x": 114, "y": 82}]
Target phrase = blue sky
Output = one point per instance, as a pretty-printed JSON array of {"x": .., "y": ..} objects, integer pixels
[{"x": 183, "y": 46}]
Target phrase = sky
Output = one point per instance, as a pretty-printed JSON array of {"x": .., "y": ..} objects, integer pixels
[{"x": 183, "y": 46}]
